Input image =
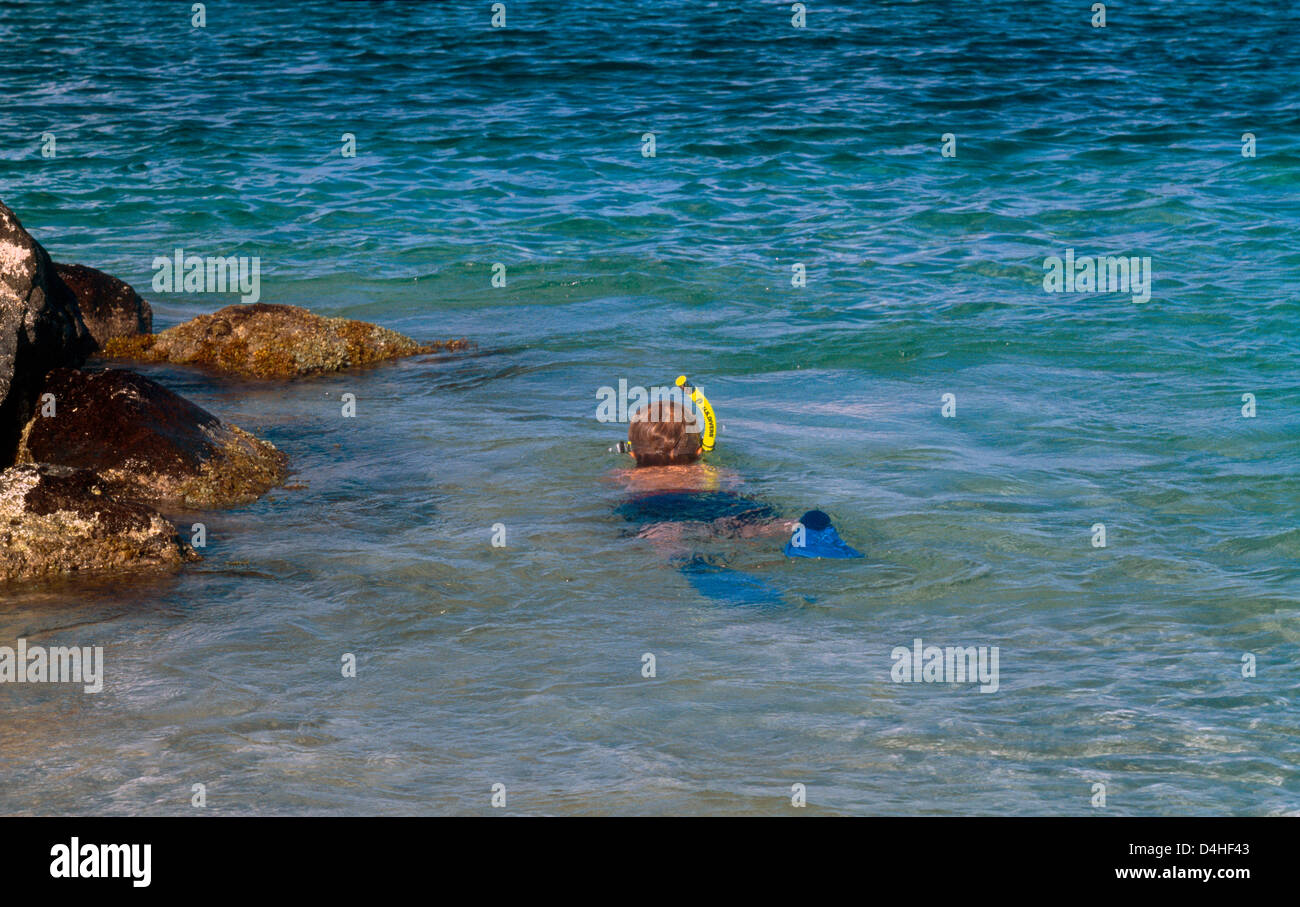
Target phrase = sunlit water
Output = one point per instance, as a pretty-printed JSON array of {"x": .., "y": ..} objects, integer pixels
[{"x": 521, "y": 665}]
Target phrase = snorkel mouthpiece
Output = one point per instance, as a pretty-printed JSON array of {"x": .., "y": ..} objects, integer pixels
[{"x": 709, "y": 436}]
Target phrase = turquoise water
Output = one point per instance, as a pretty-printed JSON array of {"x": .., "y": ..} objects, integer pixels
[{"x": 521, "y": 665}]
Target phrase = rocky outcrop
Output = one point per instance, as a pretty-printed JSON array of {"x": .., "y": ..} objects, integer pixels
[
  {"x": 272, "y": 341},
  {"x": 56, "y": 521},
  {"x": 147, "y": 443},
  {"x": 109, "y": 307},
  {"x": 40, "y": 327},
  {"x": 98, "y": 453}
]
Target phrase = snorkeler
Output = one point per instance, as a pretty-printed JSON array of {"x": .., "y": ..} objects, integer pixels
[{"x": 680, "y": 497}]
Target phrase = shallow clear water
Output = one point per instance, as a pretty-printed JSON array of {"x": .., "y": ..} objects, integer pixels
[{"x": 522, "y": 665}]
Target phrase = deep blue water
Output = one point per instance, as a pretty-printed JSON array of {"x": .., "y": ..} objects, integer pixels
[{"x": 775, "y": 146}]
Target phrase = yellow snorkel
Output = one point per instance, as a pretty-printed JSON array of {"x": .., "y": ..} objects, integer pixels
[{"x": 710, "y": 434}]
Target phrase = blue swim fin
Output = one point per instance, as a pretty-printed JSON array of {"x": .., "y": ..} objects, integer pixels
[
  {"x": 816, "y": 537},
  {"x": 721, "y": 583}
]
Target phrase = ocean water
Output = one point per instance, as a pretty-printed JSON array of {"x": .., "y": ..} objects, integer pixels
[{"x": 774, "y": 146}]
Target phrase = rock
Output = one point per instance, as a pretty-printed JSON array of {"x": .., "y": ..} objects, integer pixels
[
  {"x": 273, "y": 341},
  {"x": 40, "y": 327},
  {"x": 147, "y": 443},
  {"x": 109, "y": 307},
  {"x": 56, "y": 521}
]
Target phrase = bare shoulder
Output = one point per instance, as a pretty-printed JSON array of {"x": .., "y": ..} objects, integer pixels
[{"x": 695, "y": 477}]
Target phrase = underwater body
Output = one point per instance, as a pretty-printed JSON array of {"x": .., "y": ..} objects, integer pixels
[{"x": 965, "y": 429}]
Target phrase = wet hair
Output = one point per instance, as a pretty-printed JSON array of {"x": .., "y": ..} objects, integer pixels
[{"x": 661, "y": 435}]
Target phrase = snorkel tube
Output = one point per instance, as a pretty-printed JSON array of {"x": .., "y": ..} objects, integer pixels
[{"x": 709, "y": 436}]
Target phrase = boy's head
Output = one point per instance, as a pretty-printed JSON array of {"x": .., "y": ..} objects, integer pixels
[{"x": 662, "y": 434}]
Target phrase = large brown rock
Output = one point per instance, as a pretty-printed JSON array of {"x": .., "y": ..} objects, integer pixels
[
  {"x": 56, "y": 521},
  {"x": 147, "y": 443},
  {"x": 273, "y": 341},
  {"x": 40, "y": 327},
  {"x": 109, "y": 307}
]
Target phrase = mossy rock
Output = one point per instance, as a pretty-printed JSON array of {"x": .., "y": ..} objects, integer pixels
[
  {"x": 56, "y": 522},
  {"x": 272, "y": 341},
  {"x": 148, "y": 443},
  {"x": 109, "y": 307}
]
